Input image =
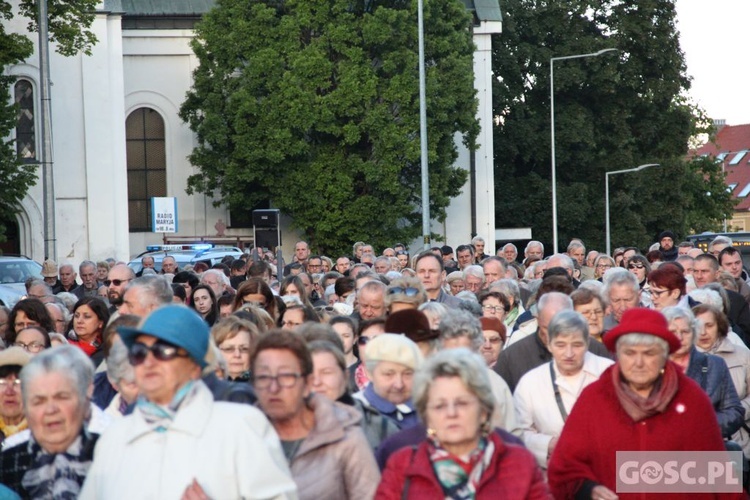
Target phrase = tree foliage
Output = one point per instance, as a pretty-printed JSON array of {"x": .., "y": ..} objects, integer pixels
[
  {"x": 69, "y": 22},
  {"x": 314, "y": 105},
  {"x": 612, "y": 112}
]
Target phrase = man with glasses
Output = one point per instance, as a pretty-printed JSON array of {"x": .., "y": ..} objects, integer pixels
[
  {"x": 144, "y": 454},
  {"x": 38, "y": 289},
  {"x": 117, "y": 280}
]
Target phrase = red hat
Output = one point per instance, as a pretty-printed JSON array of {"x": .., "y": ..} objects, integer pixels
[
  {"x": 495, "y": 325},
  {"x": 642, "y": 320}
]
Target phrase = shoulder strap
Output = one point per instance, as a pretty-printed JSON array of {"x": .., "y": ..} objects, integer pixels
[
  {"x": 558, "y": 397},
  {"x": 405, "y": 491},
  {"x": 704, "y": 372}
]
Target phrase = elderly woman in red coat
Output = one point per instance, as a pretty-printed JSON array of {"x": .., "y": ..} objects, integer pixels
[{"x": 641, "y": 403}]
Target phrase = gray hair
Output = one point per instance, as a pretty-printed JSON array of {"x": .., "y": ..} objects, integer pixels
[
  {"x": 68, "y": 300},
  {"x": 469, "y": 367},
  {"x": 509, "y": 288},
  {"x": 618, "y": 276},
  {"x": 476, "y": 239},
  {"x": 384, "y": 259},
  {"x": 67, "y": 360},
  {"x": 474, "y": 270},
  {"x": 60, "y": 306},
  {"x": 534, "y": 243},
  {"x": 219, "y": 276},
  {"x": 722, "y": 240},
  {"x": 330, "y": 290},
  {"x": 118, "y": 364},
  {"x": 716, "y": 287},
  {"x": 551, "y": 299},
  {"x": 566, "y": 322},
  {"x": 435, "y": 309},
  {"x": 575, "y": 244},
  {"x": 676, "y": 312},
  {"x": 563, "y": 260},
  {"x": 708, "y": 296},
  {"x": 157, "y": 290},
  {"x": 86, "y": 263},
  {"x": 642, "y": 339},
  {"x": 373, "y": 286},
  {"x": 511, "y": 245},
  {"x": 459, "y": 323},
  {"x": 405, "y": 282}
]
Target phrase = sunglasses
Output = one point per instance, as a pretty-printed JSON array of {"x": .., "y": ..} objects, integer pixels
[
  {"x": 637, "y": 265},
  {"x": 408, "y": 291},
  {"x": 114, "y": 282},
  {"x": 162, "y": 351},
  {"x": 363, "y": 341}
]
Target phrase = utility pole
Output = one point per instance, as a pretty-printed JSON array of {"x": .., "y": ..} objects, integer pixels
[{"x": 48, "y": 182}]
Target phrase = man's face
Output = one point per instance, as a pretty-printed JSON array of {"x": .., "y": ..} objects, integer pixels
[
  {"x": 368, "y": 249},
  {"x": 39, "y": 292},
  {"x": 465, "y": 258},
  {"x": 428, "y": 271},
  {"x": 717, "y": 248},
  {"x": 732, "y": 264},
  {"x": 447, "y": 258},
  {"x": 389, "y": 252},
  {"x": 688, "y": 265},
  {"x": 682, "y": 250},
  {"x": 534, "y": 252},
  {"x": 101, "y": 273},
  {"x": 169, "y": 265},
  {"x": 621, "y": 298},
  {"x": 342, "y": 264},
  {"x": 493, "y": 271},
  {"x": 67, "y": 276},
  {"x": 119, "y": 277},
  {"x": 371, "y": 303},
  {"x": 666, "y": 243},
  {"x": 301, "y": 251},
  {"x": 578, "y": 254},
  {"x": 314, "y": 265},
  {"x": 479, "y": 247},
  {"x": 628, "y": 255},
  {"x": 147, "y": 262},
  {"x": 132, "y": 303},
  {"x": 509, "y": 253},
  {"x": 591, "y": 258},
  {"x": 306, "y": 281},
  {"x": 392, "y": 381},
  {"x": 88, "y": 276},
  {"x": 703, "y": 272},
  {"x": 381, "y": 266},
  {"x": 473, "y": 283},
  {"x": 215, "y": 282},
  {"x": 543, "y": 320}
]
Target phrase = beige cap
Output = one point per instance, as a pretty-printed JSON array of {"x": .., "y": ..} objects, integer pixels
[
  {"x": 395, "y": 348},
  {"x": 14, "y": 356},
  {"x": 49, "y": 269}
]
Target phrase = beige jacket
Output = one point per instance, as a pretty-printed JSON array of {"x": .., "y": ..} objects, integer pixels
[{"x": 335, "y": 460}]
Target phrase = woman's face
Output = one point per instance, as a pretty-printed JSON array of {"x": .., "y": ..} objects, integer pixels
[
  {"x": 86, "y": 324},
  {"x": 602, "y": 267},
  {"x": 681, "y": 328},
  {"x": 291, "y": 289},
  {"x": 346, "y": 335},
  {"x": 594, "y": 314},
  {"x": 31, "y": 340},
  {"x": 709, "y": 334},
  {"x": 325, "y": 266},
  {"x": 328, "y": 379},
  {"x": 663, "y": 297},
  {"x": 54, "y": 411},
  {"x": 638, "y": 269},
  {"x": 641, "y": 365},
  {"x": 457, "y": 286},
  {"x": 493, "y": 308},
  {"x": 292, "y": 319},
  {"x": 101, "y": 273},
  {"x": 454, "y": 413},
  {"x": 202, "y": 301},
  {"x": 277, "y": 402},
  {"x": 403, "y": 259},
  {"x": 569, "y": 352},
  {"x": 22, "y": 321},
  {"x": 236, "y": 352},
  {"x": 256, "y": 299},
  {"x": 493, "y": 344}
]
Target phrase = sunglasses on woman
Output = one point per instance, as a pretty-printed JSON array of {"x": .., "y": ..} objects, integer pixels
[
  {"x": 636, "y": 265},
  {"x": 161, "y": 350}
]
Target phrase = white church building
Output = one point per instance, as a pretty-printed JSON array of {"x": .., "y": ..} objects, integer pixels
[{"x": 118, "y": 141}]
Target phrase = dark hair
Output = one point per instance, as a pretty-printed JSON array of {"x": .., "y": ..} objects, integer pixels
[
  {"x": 223, "y": 268},
  {"x": 727, "y": 251},
  {"x": 298, "y": 284},
  {"x": 199, "y": 267},
  {"x": 463, "y": 248},
  {"x": 179, "y": 291},
  {"x": 238, "y": 264},
  {"x": 285, "y": 340},
  {"x": 259, "y": 269},
  {"x": 344, "y": 285},
  {"x": 722, "y": 323},
  {"x": 347, "y": 320},
  {"x": 364, "y": 325},
  {"x": 34, "y": 310},
  {"x": 260, "y": 287},
  {"x": 187, "y": 277},
  {"x": 226, "y": 300},
  {"x": 583, "y": 296},
  {"x": 428, "y": 255},
  {"x": 668, "y": 277},
  {"x": 560, "y": 284},
  {"x": 654, "y": 256},
  {"x": 499, "y": 296},
  {"x": 308, "y": 314},
  {"x": 213, "y": 314},
  {"x": 98, "y": 307}
]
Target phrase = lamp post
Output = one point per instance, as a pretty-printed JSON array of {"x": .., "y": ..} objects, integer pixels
[
  {"x": 552, "y": 127},
  {"x": 606, "y": 191},
  {"x": 423, "y": 130}
]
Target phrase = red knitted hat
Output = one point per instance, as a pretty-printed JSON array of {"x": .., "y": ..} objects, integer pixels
[
  {"x": 494, "y": 325},
  {"x": 642, "y": 320}
]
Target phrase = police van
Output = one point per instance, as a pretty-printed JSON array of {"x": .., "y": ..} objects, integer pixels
[
  {"x": 740, "y": 241},
  {"x": 207, "y": 253}
]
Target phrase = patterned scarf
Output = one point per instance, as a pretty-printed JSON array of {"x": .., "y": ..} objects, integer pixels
[
  {"x": 161, "y": 417},
  {"x": 451, "y": 471},
  {"x": 59, "y": 475},
  {"x": 8, "y": 430},
  {"x": 512, "y": 316},
  {"x": 640, "y": 408}
]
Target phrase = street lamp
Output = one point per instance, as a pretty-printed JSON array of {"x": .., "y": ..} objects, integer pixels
[
  {"x": 606, "y": 191},
  {"x": 423, "y": 131},
  {"x": 552, "y": 126}
]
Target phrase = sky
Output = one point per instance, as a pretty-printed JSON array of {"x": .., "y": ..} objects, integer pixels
[{"x": 714, "y": 38}]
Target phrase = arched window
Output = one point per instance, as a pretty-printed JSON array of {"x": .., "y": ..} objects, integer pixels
[
  {"x": 25, "y": 136},
  {"x": 147, "y": 165}
]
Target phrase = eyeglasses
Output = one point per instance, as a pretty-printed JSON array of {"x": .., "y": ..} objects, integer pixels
[
  {"x": 25, "y": 324},
  {"x": 30, "y": 347},
  {"x": 604, "y": 266},
  {"x": 459, "y": 406},
  {"x": 409, "y": 291},
  {"x": 230, "y": 349},
  {"x": 15, "y": 384},
  {"x": 493, "y": 309},
  {"x": 593, "y": 312},
  {"x": 362, "y": 341},
  {"x": 161, "y": 351},
  {"x": 635, "y": 265},
  {"x": 285, "y": 380},
  {"x": 115, "y": 282},
  {"x": 658, "y": 293},
  {"x": 493, "y": 340}
]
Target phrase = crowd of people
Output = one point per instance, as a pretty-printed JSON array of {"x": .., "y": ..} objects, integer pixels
[{"x": 442, "y": 374}]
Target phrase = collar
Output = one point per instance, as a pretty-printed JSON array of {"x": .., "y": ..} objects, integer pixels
[
  {"x": 543, "y": 352},
  {"x": 385, "y": 406}
]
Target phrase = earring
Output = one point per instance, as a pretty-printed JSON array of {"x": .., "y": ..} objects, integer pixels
[{"x": 431, "y": 432}]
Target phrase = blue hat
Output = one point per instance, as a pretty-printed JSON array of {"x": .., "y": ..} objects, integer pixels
[{"x": 178, "y": 325}]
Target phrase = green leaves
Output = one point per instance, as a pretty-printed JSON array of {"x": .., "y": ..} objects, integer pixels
[{"x": 313, "y": 104}]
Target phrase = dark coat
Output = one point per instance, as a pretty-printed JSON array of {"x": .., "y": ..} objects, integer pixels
[
  {"x": 711, "y": 373},
  {"x": 512, "y": 473}
]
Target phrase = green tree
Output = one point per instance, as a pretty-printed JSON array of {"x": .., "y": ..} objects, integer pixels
[
  {"x": 69, "y": 22},
  {"x": 314, "y": 105},
  {"x": 612, "y": 112}
]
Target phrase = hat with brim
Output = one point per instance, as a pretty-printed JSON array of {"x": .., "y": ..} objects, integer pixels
[
  {"x": 643, "y": 321},
  {"x": 412, "y": 323},
  {"x": 49, "y": 269},
  {"x": 176, "y": 325},
  {"x": 14, "y": 356}
]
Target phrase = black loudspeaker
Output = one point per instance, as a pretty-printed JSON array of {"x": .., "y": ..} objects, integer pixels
[
  {"x": 267, "y": 238},
  {"x": 266, "y": 218}
]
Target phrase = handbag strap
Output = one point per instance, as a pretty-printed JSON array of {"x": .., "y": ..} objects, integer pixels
[{"x": 558, "y": 397}]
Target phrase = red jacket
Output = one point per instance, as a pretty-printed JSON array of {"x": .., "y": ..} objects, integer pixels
[
  {"x": 598, "y": 427},
  {"x": 512, "y": 473}
]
